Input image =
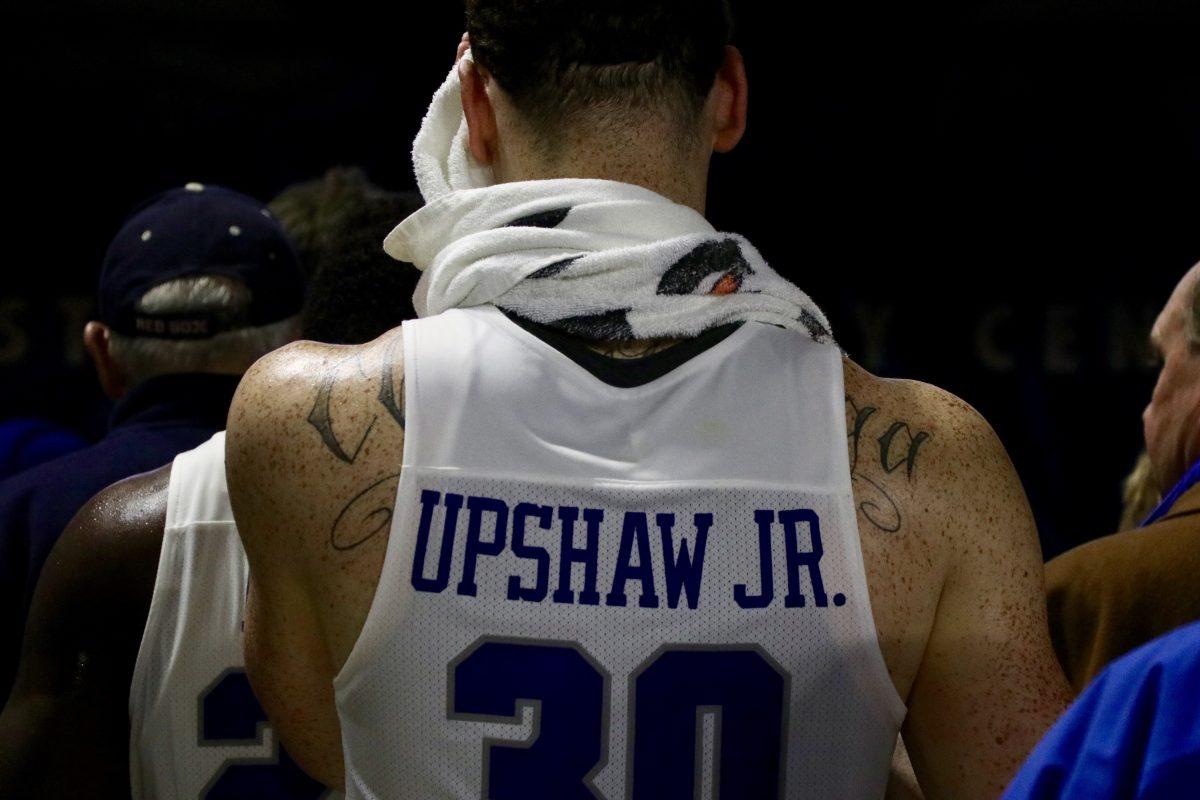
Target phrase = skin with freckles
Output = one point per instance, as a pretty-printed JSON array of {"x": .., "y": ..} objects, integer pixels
[
  {"x": 954, "y": 569},
  {"x": 1172, "y": 419}
]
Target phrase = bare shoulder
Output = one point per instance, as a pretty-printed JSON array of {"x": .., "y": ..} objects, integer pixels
[
  {"x": 103, "y": 568},
  {"x": 313, "y": 457},
  {"x": 316, "y": 435},
  {"x": 932, "y": 486},
  {"x": 934, "y": 409},
  {"x": 929, "y": 468},
  {"x": 320, "y": 385},
  {"x": 115, "y": 538},
  {"x": 957, "y": 583},
  {"x": 310, "y": 421},
  {"x": 933, "y": 452}
]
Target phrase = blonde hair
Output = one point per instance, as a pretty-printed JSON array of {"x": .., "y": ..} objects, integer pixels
[{"x": 1140, "y": 494}]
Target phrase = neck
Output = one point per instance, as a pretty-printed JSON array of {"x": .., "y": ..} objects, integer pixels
[
  {"x": 631, "y": 351},
  {"x": 677, "y": 176}
]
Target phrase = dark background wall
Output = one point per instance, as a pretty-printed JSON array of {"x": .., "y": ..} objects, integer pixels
[{"x": 992, "y": 196}]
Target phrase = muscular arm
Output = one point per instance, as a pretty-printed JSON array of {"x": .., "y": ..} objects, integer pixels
[
  {"x": 988, "y": 685},
  {"x": 65, "y": 729},
  {"x": 313, "y": 453}
]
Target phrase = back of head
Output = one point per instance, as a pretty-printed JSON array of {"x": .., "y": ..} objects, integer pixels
[
  {"x": 572, "y": 63},
  {"x": 356, "y": 291},
  {"x": 200, "y": 279},
  {"x": 225, "y": 300}
]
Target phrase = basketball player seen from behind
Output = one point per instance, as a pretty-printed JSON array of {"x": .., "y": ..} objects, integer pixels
[{"x": 566, "y": 540}]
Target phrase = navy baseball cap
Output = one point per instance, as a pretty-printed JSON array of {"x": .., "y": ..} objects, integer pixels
[{"x": 192, "y": 231}]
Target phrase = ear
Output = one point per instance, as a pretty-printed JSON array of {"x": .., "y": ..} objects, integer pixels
[
  {"x": 97, "y": 341},
  {"x": 730, "y": 102},
  {"x": 481, "y": 116}
]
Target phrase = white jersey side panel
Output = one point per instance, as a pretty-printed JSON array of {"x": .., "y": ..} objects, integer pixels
[
  {"x": 654, "y": 592},
  {"x": 197, "y": 730}
]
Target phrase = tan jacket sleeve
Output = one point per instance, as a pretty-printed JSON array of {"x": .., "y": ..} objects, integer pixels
[{"x": 1110, "y": 596}]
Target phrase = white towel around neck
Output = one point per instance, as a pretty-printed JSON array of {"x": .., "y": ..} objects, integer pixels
[{"x": 596, "y": 259}]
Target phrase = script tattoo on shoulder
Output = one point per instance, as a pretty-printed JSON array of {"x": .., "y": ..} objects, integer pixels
[
  {"x": 347, "y": 446},
  {"x": 899, "y": 448},
  {"x": 387, "y": 384},
  {"x": 321, "y": 418},
  {"x": 367, "y": 515}
]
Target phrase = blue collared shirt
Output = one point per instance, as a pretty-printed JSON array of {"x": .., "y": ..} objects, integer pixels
[
  {"x": 1135, "y": 732},
  {"x": 1189, "y": 479}
]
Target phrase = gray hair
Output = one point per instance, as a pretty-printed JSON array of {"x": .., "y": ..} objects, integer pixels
[{"x": 229, "y": 353}]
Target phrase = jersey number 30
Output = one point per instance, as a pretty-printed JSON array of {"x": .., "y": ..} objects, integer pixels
[{"x": 670, "y": 694}]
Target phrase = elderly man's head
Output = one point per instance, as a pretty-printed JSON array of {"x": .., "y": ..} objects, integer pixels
[
  {"x": 200, "y": 279},
  {"x": 1172, "y": 419}
]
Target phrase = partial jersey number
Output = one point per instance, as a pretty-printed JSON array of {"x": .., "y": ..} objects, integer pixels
[
  {"x": 740, "y": 687},
  {"x": 230, "y": 716}
]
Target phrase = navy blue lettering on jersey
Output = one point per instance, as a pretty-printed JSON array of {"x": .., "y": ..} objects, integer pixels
[
  {"x": 567, "y": 692},
  {"x": 588, "y": 555},
  {"x": 476, "y": 546},
  {"x": 684, "y": 570},
  {"x": 429, "y": 503},
  {"x": 741, "y": 594},
  {"x": 539, "y": 555},
  {"x": 798, "y": 558},
  {"x": 636, "y": 530},
  {"x": 659, "y": 561}
]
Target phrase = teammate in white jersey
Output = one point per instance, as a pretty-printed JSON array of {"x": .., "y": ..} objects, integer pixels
[
  {"x": 487, "y": 561},
  {"x": 132, "y": 680}
]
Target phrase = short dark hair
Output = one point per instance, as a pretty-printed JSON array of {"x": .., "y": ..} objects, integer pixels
[
  {"x": 356, "y": 292},
  {"x": 558, "y": 59}
]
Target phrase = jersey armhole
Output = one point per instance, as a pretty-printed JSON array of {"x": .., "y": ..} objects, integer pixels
[
  {"x": 888, "y": 694},
  {"x": 138, "y": 690}
]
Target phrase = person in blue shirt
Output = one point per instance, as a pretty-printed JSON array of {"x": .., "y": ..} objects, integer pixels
[
  {"x": 198, "y": 284},
  {"x": 1135, "y": 732}
]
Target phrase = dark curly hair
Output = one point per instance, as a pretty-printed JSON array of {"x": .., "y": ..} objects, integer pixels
[
  {"x": 356, "y": 292},
  {"x": 559, "y": 59}
]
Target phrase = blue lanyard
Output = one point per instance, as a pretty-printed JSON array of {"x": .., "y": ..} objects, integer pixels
[{"x": 1189, "y": 479}]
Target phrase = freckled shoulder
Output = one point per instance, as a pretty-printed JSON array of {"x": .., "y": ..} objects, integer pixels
[
  {"x": 921, "y": 433},
  {"x": 309, "y": 424},
  {"x": 981, "y": 681},
  {"x": 931, "y": 482}
]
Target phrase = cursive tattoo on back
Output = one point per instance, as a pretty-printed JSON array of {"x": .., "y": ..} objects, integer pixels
[
  {"x": 367, "y": 515},
  {"x": 899, "y": 447}
]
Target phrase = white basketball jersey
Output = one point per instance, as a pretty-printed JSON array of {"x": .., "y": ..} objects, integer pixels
[
  {"x": 592, "y": 592},
  {"x": 197, "y": 729}
]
